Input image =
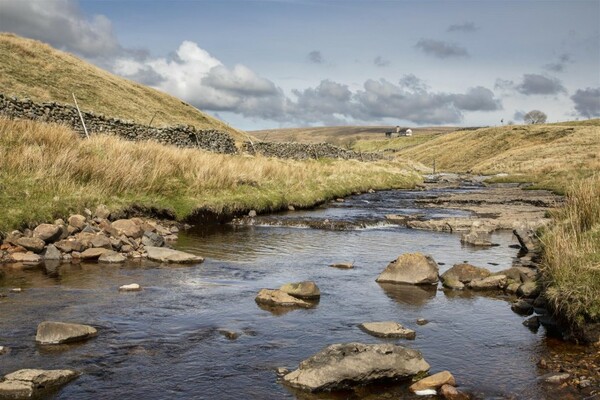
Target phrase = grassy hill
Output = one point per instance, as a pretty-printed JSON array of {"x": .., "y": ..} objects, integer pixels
[
  {"x": 551, "y": 155},
  {"x": 37, "y": 71},
  {"x": 338, "y": 135}
]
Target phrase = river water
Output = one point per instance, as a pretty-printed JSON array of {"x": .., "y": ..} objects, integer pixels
[{"x": 164, "y": 342}]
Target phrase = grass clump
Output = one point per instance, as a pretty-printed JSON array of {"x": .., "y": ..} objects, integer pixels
[
  {"x": 571, "y": 265},
  {"x": 47, "y": 172}
]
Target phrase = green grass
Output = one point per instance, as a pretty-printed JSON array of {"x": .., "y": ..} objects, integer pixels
[{"x": 47, "y": 172}]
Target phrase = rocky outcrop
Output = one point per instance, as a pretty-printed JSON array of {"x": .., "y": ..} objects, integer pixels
[
  {"x": 50, "y": 332},
  {"x": 30, "y": 383},
  {"x": 411, "y": 268},
  {"x": 388, "y": 329},
  {"x": 341, "y": 366}
]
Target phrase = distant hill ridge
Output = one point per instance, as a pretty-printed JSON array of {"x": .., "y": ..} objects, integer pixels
[{"x": 34, "y": 70}]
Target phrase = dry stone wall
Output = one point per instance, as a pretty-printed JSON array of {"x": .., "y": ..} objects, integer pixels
[
  {"x": 304, "y": 151},
  {"x": 182, "y": 136}
]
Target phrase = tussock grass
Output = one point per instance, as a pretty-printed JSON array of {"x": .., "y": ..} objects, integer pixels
[
  {"x": 46, "y": 172},
  {"x": 572, "y": 255},
  {"x": 35, "y": 70}
]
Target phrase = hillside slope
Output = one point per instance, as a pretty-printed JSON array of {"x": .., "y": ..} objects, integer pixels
[
  {"x": 551, "y": 155},
  {"x": 32, "y": 69}
]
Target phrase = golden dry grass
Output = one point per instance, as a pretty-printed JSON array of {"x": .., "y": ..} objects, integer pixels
[
  {"x": 46, "y": 172},
  {"x": 32, "y": 69},
  {"x": 550, "y": 155},
  {"x": 572, "y": 254}
]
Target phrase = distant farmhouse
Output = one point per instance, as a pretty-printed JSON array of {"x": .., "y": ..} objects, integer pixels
[{"x": 399, "y": 132}]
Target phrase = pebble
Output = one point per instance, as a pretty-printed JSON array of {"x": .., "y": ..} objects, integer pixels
[
  {"x": 133, "y": 287},
  {"x": 16, "y": 290}
]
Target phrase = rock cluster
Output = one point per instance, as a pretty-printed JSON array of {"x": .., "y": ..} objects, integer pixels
[
  {"x": 181, "y": 136},
  {"x": 93, "y": 238}
]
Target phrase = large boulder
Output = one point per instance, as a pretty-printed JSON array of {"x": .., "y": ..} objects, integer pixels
[
  {"x": 461, "y": 274},
  {"x": 278, "y": 298},
  {"x": 49, "y": 233},
  {"x": 166, "y": 255},
  {"x": 412, "y": 268},
  {"x": 302, "y": 290},
  {"x": 27, "y": 383},
  {"x": 128, "y": 228},
  {"x": 344, "y": 365},
  {"x": 31, "y": 244},
  {"x": 388, "y": 329},
  {"x": 51, "y": 332}
]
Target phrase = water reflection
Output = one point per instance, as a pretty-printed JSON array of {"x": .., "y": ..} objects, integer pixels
[{"x": 412, "y": 295}]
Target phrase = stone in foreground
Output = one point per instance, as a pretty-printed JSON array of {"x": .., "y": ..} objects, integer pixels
[
  {"x": 412, "y": 268},
  {"x": 344, "y": 365},
  {"x": 165, "y": 255},
  {"x": 302, "y": 290},
  {"x": 434, "y": 381},
  {"x": 388, "y": 329},
  {"x": 133, "y": 287},
  {"x": 276, "y": 297},
  {"x": 27, "y": 383},
  {"x": 50, "y": 332}
]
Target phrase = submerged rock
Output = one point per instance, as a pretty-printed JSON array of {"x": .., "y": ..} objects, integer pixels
[
  {"x": 302, "y": 290},
  {"x": 166, "y": 255},
  {"x": 27, "y": 383},
  {"x": 50, "y": 332},
  {"x": 344, "y": 365},
  {"x": 276, "y": 297},
  {"x": 412, "y": 268},
  {"x": 388, "y": 329},
  {"x": 343, "y": 265}
]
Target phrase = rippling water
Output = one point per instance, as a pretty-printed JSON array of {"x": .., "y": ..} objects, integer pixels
[{"x": 164, "y": 342}]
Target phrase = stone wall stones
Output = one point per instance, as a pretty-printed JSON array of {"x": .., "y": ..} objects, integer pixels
[
  {"x": 303, "y": 151},
  {"x": 182, "y": 136}
]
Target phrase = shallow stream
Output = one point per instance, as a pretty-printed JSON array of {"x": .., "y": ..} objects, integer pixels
[{"x": 164, "y": 342}]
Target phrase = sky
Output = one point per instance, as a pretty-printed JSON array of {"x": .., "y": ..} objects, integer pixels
[{"x": 287, "y": 63}]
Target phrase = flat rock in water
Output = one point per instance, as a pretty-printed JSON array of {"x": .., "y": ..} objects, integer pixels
[
  {"x": 493, "y": 282},
  {"x": 388, "y": 329},
  {"x": 344, "y": 365},
  {"x": 26, "y": 383},
  {"x": 302, "y": 290},
  {"x": 50, "y": 332},
  {"x": 93, "y": 253},
  {"x": 166, "y": 255},
  {"x": 345, "y": 265},
  {"x": 464, "y": 273},
  {"x": 112, "y": 257},
  {"x": 412, "y": 268},
  {"x": 276, "y": 297},
  {"x": 26, "y": 258},
  {"x": 434, "y": 381},
  {"x": 133, "y": 287}
]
